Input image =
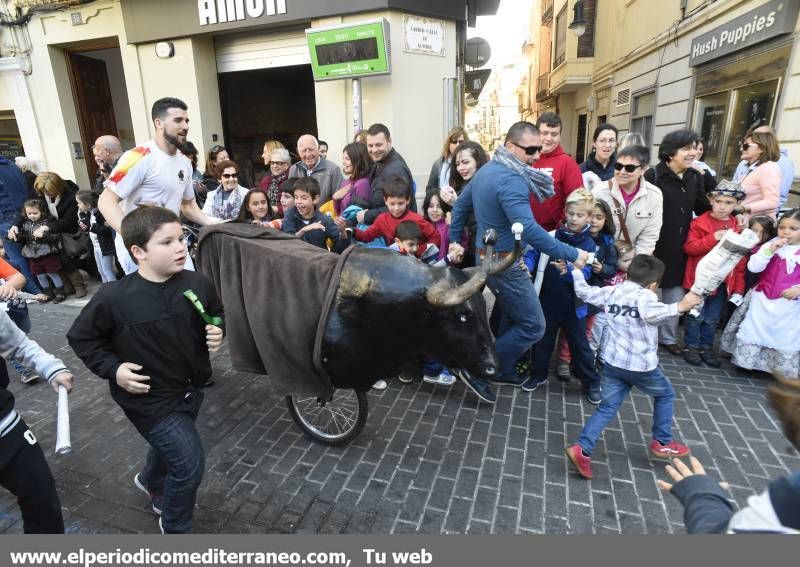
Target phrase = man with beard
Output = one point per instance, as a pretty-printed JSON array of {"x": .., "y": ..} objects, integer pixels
[
  {"x": 107, "y": 151},
  {"x": 153, "y": 174}
]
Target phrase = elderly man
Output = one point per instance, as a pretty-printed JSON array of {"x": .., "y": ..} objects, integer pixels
[
  {"x": 327, "y": 173},
  {"x": 107, "y": 151}
]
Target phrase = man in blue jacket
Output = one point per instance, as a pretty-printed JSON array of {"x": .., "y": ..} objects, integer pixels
[
  {"x": 498, "y": 195},
  {"x": 13, "y": 192}
]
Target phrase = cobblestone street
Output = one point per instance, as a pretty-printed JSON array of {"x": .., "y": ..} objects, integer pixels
[{"x": 430, "y": 459}]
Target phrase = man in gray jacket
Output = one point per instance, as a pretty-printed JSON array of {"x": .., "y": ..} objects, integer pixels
[{"x": 311, "y": 164}]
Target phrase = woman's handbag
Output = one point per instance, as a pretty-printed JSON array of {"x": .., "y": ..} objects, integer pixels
[{"x": 75, "y": 244}]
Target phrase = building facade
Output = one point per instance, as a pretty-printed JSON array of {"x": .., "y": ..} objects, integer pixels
[
  {"x": 243, "y": 68},
  {"x": 719, "y": 66}
]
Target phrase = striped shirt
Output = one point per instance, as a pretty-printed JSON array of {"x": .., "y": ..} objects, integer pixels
[{"x": 633, "y": 312}]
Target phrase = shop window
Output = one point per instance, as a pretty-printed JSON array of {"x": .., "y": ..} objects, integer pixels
[
  {"x": 723, "y": 119},
  {"x": 642, "y": 112},
  {"x": 580, "y": 145},
  {"x": 10, "y": 140},
  {"x": 561, "y": 37}
]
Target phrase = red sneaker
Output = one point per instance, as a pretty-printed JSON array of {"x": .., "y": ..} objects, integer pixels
[
  {"x": 582, "y": 463},
  {"x": 669, "y": 451}
]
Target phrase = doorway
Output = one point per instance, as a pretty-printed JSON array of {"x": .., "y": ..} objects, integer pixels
[
  {"x": 266, "y": 104},
  {"x": 101, "y": 97}
]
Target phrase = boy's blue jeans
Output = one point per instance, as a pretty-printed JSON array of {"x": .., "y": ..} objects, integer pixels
[
  {"x": 521, "y": 322},
  {"x": 574, "y": 330},
  {"x": 699, "y": 331},
  {"x": 617, "y": 382},
  {"x": 174, "y": 468}
]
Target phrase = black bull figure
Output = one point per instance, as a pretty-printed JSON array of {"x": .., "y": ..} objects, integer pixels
[
  {"x": 392, "y": 311},
  {"x": 315, "y": 321}
]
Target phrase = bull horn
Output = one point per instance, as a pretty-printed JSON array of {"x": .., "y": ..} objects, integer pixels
[
  {"x": 508, "y": 261},
  {"x": 441, "y": 295}
]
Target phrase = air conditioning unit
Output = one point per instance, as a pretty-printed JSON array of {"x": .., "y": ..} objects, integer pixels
[{"x": 623, "y": 97}]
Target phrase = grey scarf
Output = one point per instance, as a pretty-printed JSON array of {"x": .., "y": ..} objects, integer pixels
[{"x": 539, "y": 184}]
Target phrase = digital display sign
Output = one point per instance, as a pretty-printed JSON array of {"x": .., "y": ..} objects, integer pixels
[{"x": 350, "y": 50}]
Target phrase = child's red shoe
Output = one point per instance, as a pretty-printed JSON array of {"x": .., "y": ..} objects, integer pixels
[
  {"x": 582, "y": 463},
  {"x": 669, "y": 451}
]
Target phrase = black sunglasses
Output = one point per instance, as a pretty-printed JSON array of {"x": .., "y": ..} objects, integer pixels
[
  {"x": 230, "y": 175},
  {"x": 529, "y": 150},
  {"x": 745, "y": 146},
  {"x": 630, "y": 168}
]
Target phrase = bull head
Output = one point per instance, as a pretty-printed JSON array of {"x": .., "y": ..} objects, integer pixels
[{"x": 442, "y": 295}]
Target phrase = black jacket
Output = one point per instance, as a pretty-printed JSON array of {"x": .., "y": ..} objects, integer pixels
[
  {"x": 392, "y": 165},
  {"x": 682, "y": 196},
  {"x": 433, "y": 179},
  {"x": 154, "y": 325},
  {"x": 604, "y": 173},
  {"x": 105, "y": 234}
]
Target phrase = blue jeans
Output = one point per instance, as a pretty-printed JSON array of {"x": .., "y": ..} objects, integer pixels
[
  {"x": 617, "y": 382},
  {"x": 174, "y": 468},
  {"x": 574, "y": 330},
  {"x": 699, "y": 331},
  {"x": 14, "y": 253},
  {"x": 520, "y": 322}
]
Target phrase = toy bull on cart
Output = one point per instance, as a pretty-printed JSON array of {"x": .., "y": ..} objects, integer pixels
[{"x": 325, "y": 327}]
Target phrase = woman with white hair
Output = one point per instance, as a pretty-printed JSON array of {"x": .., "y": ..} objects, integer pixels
[{"x": 279, "y": 163}]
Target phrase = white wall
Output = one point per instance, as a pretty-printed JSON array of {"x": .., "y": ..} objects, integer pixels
[{"x": 409, "y": 101}]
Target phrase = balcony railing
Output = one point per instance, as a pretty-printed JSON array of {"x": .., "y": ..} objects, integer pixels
[
  {"x": 32, "y": 3},
  {"x": 543, "y": 87},
  {"x": 547, "y": 11}
]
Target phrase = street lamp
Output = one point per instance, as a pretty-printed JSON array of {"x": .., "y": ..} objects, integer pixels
[{"x": 578, "y": 25}]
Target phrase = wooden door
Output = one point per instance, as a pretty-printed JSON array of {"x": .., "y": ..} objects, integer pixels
[{"x": 93, "y": 103}]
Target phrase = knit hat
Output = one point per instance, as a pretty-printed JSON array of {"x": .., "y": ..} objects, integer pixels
[{"x": 728, "y": 189}]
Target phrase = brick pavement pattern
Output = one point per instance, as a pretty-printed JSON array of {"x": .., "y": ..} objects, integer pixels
[{"x": 430, "y": 460}]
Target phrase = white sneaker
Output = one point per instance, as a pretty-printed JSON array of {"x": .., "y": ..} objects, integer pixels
[
  {"x": 380, "y": 385},
  {"x": 28, "y": 376},
  {"x": 142, "y": 487},
  {"x": 443, "y": 379}
]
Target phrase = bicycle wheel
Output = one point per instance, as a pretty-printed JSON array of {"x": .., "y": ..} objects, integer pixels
[{"x": 330, "y": 422}]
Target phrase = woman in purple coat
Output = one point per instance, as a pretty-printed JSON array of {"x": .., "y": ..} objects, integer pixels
[{"x": 356, "y": 189}]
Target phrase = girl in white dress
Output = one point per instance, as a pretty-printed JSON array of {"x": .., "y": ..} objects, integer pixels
[{"x": 769, "y": 337}]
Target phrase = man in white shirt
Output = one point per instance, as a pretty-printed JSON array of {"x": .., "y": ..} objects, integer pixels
[{"x": 155, "y": 173}]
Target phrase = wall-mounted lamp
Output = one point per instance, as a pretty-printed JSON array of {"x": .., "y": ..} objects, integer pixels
[{"x": 578, "y": 25}]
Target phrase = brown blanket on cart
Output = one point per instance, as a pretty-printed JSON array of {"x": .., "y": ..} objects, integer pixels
[{"x": 277, "y": 291}]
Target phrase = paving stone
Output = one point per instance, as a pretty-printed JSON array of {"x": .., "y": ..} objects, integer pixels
[{"x": 430, "y": 460}]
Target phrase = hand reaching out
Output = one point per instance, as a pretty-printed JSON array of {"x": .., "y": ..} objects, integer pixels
[{"x": 678, "y": 471}]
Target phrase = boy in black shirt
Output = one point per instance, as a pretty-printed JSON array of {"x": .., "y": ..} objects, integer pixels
[{"x": 151, "y": 343}]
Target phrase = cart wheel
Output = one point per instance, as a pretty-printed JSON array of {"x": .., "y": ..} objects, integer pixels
[{"x": 334, "y": 422}]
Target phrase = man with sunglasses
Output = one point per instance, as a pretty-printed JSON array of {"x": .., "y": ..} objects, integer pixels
[
  {"x": 155, "y": 173},
  {"x": 559, "y": 165},
  {"x": 498, "y": 195}
]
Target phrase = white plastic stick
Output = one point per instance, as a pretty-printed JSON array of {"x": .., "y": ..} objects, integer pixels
[{"x": 63, "y": 443}]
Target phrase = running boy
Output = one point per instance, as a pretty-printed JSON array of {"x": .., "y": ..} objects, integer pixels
[
  {"x": 152, "y": 344},
  {"x": 629, "y": 356},
  {"x": 304, "y": 220},
  {"x": 397, "y": 198}
]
